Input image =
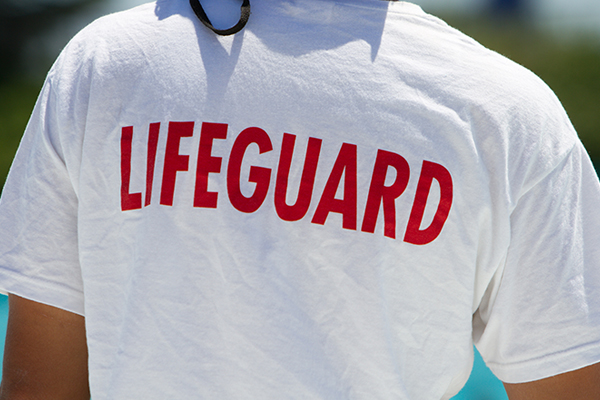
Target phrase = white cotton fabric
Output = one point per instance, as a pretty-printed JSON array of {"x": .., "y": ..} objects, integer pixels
[{"x": 213, "y": 303}]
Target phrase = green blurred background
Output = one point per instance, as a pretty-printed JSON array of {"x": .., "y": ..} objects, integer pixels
[{"x": 564, "y": 52}]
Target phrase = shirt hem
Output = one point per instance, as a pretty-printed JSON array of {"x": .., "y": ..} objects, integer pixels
[{"x": 544, "y": 367}]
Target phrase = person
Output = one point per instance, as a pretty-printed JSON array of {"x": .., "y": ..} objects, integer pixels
[{"x": 334, "y": 202}]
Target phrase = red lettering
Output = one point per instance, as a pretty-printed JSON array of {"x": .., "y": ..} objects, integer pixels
[
  {"x": 344, "y": 164},
  {"x": 259, "y": 175},
  {"x": 207, "y": 164},
  {"x": 151, "y": 160},
  {"x": 129, "y": 201},
  {"x": 173, "y": 160},
  {"x": 429, "y": 171},
  {"x": 379, "y": 193},
  {"x": 298, "y": 210}
]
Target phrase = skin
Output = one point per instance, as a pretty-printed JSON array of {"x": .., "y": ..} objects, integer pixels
[
  {"x": 45, "y": 353},
  {"x": 46, "y": 358},
  {"x": 582, "y": 384}
]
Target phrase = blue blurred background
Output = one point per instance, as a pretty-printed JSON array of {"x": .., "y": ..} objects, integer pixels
[{"x": 557, "y": 39}]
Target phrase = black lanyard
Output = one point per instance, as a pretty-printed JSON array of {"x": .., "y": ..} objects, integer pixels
[{"x": 197, "y": 7}]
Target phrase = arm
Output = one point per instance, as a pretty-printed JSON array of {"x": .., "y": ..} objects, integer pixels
[
  {"x": 582, "y": 384},
  {"x": 45, "y": 354}
]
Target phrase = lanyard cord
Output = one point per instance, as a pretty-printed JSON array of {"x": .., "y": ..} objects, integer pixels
[{"x": 197, "y": 7}]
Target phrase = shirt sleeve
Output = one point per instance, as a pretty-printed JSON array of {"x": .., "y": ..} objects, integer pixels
[
  {"x": 542, "y": 314},
  {"x": 38, "y": 217}
]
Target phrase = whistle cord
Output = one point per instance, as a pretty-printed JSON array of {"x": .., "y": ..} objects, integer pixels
[{"x": 199, "y": 11}]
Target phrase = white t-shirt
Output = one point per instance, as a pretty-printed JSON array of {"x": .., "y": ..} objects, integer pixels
[{"x": 333, "y": 203}]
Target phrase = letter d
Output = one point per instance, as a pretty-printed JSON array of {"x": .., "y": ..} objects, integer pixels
[{"x": 414, "y": 234}]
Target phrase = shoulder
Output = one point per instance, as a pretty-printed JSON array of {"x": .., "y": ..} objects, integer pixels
[
  {"x": 120, "y": 46},
  {"x": 516, "y": 122},
  {"x": 121, "y": 36}
]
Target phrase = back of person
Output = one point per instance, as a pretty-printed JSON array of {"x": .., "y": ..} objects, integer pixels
[{"x": 332, "y": 203}]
